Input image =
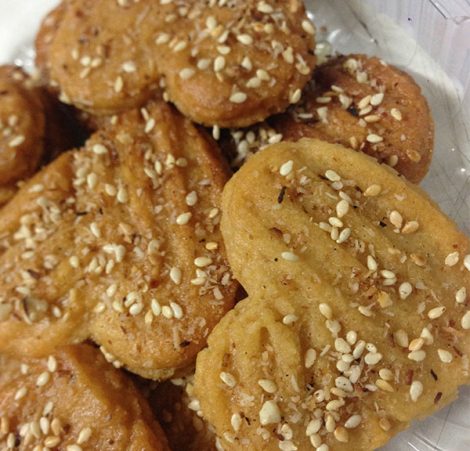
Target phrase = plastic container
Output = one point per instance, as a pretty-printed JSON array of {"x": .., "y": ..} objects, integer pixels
[{"x": 430, "y": 39}]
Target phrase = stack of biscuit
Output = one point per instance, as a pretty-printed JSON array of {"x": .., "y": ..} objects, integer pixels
[{"x": 152, "y": 300}]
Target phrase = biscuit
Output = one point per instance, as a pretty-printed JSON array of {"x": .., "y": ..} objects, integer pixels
[
  {"x": 363, "y": 103},
  {"x": 227, "y": 64},
  {"x": 358, "y": 315},
  {"x": 22, "y": 129},
  {"x": 119, "y": 242},
  {"x": 73, "y": 400},
  {"x": 177, "y": 410}
]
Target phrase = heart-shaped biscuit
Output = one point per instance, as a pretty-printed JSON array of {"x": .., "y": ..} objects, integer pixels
[
  {"x": 357, "y": 320},
  {"x": 119, "y": 242},
  {"x": 73, "y": 400},
  {"x": 223, "y": 63}
]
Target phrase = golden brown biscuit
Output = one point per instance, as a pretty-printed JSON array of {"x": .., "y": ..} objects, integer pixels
[
  {"x": 120, "y": 242},
  {"x": 358, "y": 305},
  {"x": 226, "y": 64},
  {"x": 243, "y": 61},
  {"x": 364, "y": 103},
  {"x": 22, "y": 129},
  {"x": 73, "y": 400},
  {"x": 177, "y": 410}
]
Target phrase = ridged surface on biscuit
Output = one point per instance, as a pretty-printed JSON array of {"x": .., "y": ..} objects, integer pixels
[
  {"x": 120, "y": 242},
  {"x": 73, "y": 400},
  {"x": 359, "y": 305}
]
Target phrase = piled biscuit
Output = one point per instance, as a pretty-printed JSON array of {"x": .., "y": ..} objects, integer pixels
[
  {"x": 119, "y": 254},
  {"x": 357, "y": 320}
]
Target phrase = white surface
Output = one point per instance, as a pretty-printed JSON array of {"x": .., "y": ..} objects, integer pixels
[{"x": 443, "y": 29}]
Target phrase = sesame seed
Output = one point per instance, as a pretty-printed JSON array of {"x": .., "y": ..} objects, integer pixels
[
  {"x": 129, "y": 67},
  {"x": 371, "y": 118},
  {"x": 245, "y": 39},
  {"x": 326, "y": 311},
  {"x": 246, "y": 63},
  {"x": 43, "y": 379},
  {"x": 332, "y": 176},
  {"x": 95, "y": 230},
  {"x": 323, "y": 447},
  {"x": 452, "y": 259},
  {"x": 99, "y": 149},
  {"x": 268, "y": 385},
  {"x": 238, "y": 97},
  {"x": 417, "y": 356},
  {"x": 149, "y": 125},
  {"x": 136, "y": 309},
  {"x": 344, "y": 235},
  {"x": 336, "y": 404},
  {"x": 310, "y": 357},
  {"x": 191, "y": 199},
  {"x": 183, "y": 218},
  {"x": 175, "y": 275},
  {"x": 51, "y": 363},
  {"x": 177, "y": 310},
  {"x": 373, "y": 138},
  {"x": 118, "y": 84},
  {"x": 466, "y": 262},
  {"x": 52, "y": 441},
  {"x": 228, "y": 379},
  {"x": 342, "y": 345},
  {"x": 436, "y": 312},
  {"x": 341, "y": 434},
  {"x": 416, "y": 390},
  {"x": 396, "y": 114},
  {"x": 353, "y": 422},
  {"x": 295, "y": 96},
  {"x": 187, "y": 73},
  {"x": 445, "y": 356},
  {"x": 286, "y": 168},
  {"x": 216, "y": 132},
  {"x": 387, "y": 274},
  {"x": 313, "y": 427},
  {"x": 219, "y": 64},
  {"x": 264, "y": 7},
  {"x": 122, "y": 196},
  {"x": 236, "y": 421},
  {"x": 180, "y": 46},
  {"x": 73, "y": 448},
  {"x": 289, "y": 319},
  {"x": 465, "y": 322},
  {"x": 269, "y": 413},
  {"x": 342, "y": 208},
  {"x": 335, "y": 222},
  {"x": 373, "y": 190},
  {"x": 167, "y": 312},
  {"x": 344, "y": 384},
  {"x": 351, "y": 337},
  {"x": 461, "y": 295},
  {"x": 396, "y": 219},
  {"x": 202, "y": 262},
  {"x": 405, "y": 290},
  {"x": 376, "y": 99},
  {"x": 289, "y": 256},
  {"x": 386, "y": 374},
  {"x": 427, "y": 336},
  {"x": 17, "y": 141},
  {"x": 372, "y": 358},
  {"x": 416, "y": 344},
  {"x": 74, "y": 262},
  {"x": 21, "y": 393},
  {"x": 307, "y": 26},
  {"x": 155, "y": 307},
  {"x": 410, "y": 227}
]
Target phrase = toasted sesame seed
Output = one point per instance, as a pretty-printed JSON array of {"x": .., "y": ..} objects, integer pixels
[
  {"x": 149, "y": 125},
  {"x": 269, "y": 413},
  {"x": 175, "y": 275},
  {"x": 308, "y": 27},
  {"x": 371, "y": 118},
  {"x": 427, "y": 336},
  {"x": 202, "y": 262},
  {"x": 436, "y": 312},
  {"x": 183, "y": 218},
  {"x": 323, "y": 447},
  {"x": 386, "y": 374},
  {"x": 187, "y": 73},
  {"x": 177, "y": 310},
  {"x": 219, "y": 64},
  {"x": 51, "y": 363},
  {"x": 155, "y": 307},
  {"x": 452, "y": 259},
  {"x": 238, "y": 97},
  {"x": 416, "y": 344},
  {"x": 396, "y": 114},
  {"x": 396, "y": 219},
  {"x": 245, "y": 39},
  {"x": 228, "y": 379},
  {"x": 52, "y": 441},
  {"x": 416, "y": 390},
  {"x": 373, "y": 138},
  {"x": 417, "y": 356},
  {"x": 387, "y": 274},
  {"x": 17, "y": 141},
  {"x": 95, "y": 230},
  {"x": 313, "y": 427},
  {"x": 286, "y": 168},
  {"x": 122, "y": 196},
  {"x": 336, "y": 404},
  {"x": 332, "y": 176},
  {"x": 118, "y": 84},
  {"x": 366, "y": 311},
  {"x": 341, "y": 434},
  {"x": 289, "y": 256},
  {"x": 268, "y": 385},
  {"x": 326, "y": 311},
  {"x": 461, "y": 295},
  {"x": 465, "y": 322},
  {"x": 376, "y": 99}
]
